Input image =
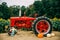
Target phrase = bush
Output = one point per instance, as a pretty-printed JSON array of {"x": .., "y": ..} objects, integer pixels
[
  {"x": 3, "y": 23},
  {"x": 56, "y": 24}
]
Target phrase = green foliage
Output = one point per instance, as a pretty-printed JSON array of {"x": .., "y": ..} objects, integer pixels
[
  {"x": 23, "y": 10},
  {"x": 3, "y": 23},
  {"x": 1, "y": 15},
  {"x": 14, "y": 10},
  {"x": 39, "y": 8},
  {"x": 49, "y": 8},
  {"x": 28, "y": 12},
  {"x": 6, "y": 12},
  {"x": 56, "y": 24}
]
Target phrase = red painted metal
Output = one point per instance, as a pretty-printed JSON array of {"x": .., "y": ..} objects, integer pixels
[
  {"x": 42, "y": 26},
  {"x": 20, "y": 22}
]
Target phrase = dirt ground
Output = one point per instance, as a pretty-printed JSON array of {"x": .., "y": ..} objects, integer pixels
[{"x": 27, "y": 35}]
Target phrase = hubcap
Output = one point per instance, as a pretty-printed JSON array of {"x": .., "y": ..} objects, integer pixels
[{"x": 43, "y": 26}]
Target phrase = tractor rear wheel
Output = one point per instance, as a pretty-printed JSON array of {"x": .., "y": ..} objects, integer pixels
[{"x": 42, "y": 25}]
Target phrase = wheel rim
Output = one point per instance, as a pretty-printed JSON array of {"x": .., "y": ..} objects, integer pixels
[{"x": 42, "y": 26}]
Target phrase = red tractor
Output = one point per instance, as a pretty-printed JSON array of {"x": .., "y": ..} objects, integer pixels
[{"x": 39, "y": 25}]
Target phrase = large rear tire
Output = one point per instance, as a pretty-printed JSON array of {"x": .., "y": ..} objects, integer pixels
[{"x": 42, "y": 25}]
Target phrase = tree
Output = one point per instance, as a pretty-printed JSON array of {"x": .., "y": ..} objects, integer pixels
[
  {"x": 5, "y": 10},
  {"x": 23, "y": 10},
  {"x": 1, "y": 15},
  {"x": 53, "y": 9},
  {"x": 57, "y": 8},
  {"x": 49, "y": 8},
  {"x": 30, "y": 10},
  {"x": 39, "y": 8},
  {"x": 14, "y": 10}
]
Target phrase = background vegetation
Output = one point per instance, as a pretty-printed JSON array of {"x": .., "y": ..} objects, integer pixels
[{"x": 48, "y": 8}]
